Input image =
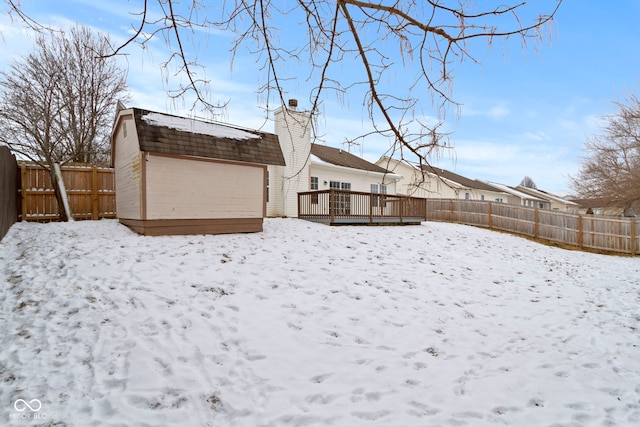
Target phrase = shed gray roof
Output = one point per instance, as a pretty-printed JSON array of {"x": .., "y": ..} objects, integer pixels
[
  {"x": 160, "y": 137},
  {"x": 340, "y": 157}
]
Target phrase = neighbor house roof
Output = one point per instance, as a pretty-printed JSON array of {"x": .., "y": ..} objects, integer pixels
[
  {"x": 168, "y": 134},
  {"x": 545, "y": 195},
  {"x": 464, "y": 181},
  {"x": 515, "y": 192},
  {"x": 340, "y": 157}
]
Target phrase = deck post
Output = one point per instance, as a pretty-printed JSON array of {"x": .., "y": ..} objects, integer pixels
[
  {"x": 332, "y": 205},
  {"x": 371, "y": 208}
]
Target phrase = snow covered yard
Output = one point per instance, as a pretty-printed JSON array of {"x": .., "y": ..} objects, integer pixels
[{"x": 304, "y": 324}]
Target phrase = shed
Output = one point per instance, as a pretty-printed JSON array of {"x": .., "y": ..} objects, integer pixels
[{"x": 177, "y": 175}]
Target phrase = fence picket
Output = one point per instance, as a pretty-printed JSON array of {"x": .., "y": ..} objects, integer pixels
[
  {"x": 588, "y": 232},
  {"x": 90, "y": 189}
]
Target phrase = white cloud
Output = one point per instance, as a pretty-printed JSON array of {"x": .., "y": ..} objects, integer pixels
[
  {"x": 536, "y": 136},
  {"x": 495, "y": 112}
]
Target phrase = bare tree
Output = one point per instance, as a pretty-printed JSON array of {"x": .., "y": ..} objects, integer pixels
[
  {"x": 57, "y": 103},
  {"x": 528, "y": 183},
  {"x": 610, "y": 170},
  {"x": 412, "y": 42}
]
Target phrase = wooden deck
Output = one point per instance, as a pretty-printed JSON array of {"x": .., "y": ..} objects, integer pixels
[{"x": 340, "y": 207}]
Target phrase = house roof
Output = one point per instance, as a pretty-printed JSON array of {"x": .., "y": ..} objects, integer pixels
[
  {"x": 340, "y": 157},
  {"x": 545, "y": 195},
  {"x": 515, "y": 192},
  {"x": 464, "y": 181},
  {"x": 168, "y": 134}
]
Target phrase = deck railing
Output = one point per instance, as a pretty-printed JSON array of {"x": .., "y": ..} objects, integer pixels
[
  {"x": 341, "y": 206},
  {"x": 591, "y": 232}
]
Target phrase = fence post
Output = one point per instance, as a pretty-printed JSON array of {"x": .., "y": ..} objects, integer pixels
[
  {"x": 94, "y": 192},
  {"x": 426, "y": 206},
  {"x": 536, "y": 220},
  {"x": 450, "y": 210},
  {"x": 580, "y": 232},
  {"x": 23, "y": 190},
  {"x": 489, "y": 218},
  {"x": 633, "y": 237}
]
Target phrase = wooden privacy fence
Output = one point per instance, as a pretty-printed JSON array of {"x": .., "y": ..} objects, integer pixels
[
  {"x": 90, "y": 189},
  {"x": 8, "y": 187},
  {"x": 353, "y": 207},
  {"x": 583, "y": 231}
]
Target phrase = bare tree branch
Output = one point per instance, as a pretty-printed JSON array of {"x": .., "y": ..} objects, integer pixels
[
  {"x": 611, "y": 168},
  {"x": 418, "y": 40},
  {"x": 56, "y": 103}
]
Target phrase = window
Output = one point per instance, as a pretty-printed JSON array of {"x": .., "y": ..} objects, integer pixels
[
  {"x": 467, "y": 196},
  {"x": 314, "y": 186},
  {"x": 343, "y": 201},
  {"x": 482, "y": 197},
  {"x": 375, "y": 200},
  {"x": 267, "y": 186}
]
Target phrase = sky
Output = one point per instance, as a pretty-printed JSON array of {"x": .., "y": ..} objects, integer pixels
[{"x": 524, "y": 110}]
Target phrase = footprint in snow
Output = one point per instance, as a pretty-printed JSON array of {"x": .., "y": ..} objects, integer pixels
[{"x": 319, "y": 378}]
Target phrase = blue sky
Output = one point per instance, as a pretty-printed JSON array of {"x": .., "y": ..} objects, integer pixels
[{"x": 524, "y": 110}]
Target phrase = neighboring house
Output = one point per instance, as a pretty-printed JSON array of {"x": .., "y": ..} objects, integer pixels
[
  {"x": 556, "y": 203},
  {"x": 607, "y": 207},
  {"x": 519, "y": 198},
  {"x": 176, "y": 175},
  {"x": 316, "y": 167},
  {"x": 431, "y": 182}
]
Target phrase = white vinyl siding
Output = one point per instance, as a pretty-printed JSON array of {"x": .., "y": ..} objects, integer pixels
[
  {"x": 293, "y": 129},
  {"x": 192, "y": 189},
  {"x": 128, "y": 173}
]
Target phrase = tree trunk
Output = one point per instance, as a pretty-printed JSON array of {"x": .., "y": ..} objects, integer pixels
[{"x": 59, "y": 193}]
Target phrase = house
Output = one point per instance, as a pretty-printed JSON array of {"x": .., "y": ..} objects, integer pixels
[
  {"x": 556, "y": 203},
  {"x": 176, "y": 175},
  {"x": 310, "y": 166},
  {"x": 431, "y": 182},
  {"x": 518, "y": 198},
  {"x": 607, "y": 207}
]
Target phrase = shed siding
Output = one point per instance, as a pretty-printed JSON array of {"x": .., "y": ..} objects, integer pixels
[
  {"x": 128, "y": 170},
  {"x": 179, "y": 188}
]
